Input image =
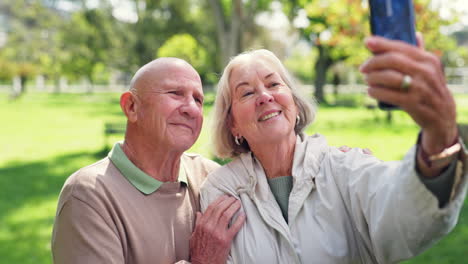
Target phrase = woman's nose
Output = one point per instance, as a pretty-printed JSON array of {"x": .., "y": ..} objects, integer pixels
[{"x": 264, "y": 97}]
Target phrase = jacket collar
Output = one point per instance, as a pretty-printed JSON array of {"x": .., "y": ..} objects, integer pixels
[{"x": 308, "y": 154}]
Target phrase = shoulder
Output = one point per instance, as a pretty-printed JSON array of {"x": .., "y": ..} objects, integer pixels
[
  {"x": 197, "y": 168},
  {"x": 88, "y": 177},
  {"x": 89, "y": 183},
  {"x": 312, "y": 147},
  {"x": 309, "y": 154},
  {"x": 353, "y": 167},
  {"x": 230, "y": 177},
  {"x": 314, "y": 154},
  {"x": 197, "y": 165},
  {"x": 353, "y": 159},
  {"x": 316, "y": 147}
]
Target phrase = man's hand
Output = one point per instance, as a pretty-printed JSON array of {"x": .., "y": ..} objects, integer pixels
[{"x": 212, "y": 237}]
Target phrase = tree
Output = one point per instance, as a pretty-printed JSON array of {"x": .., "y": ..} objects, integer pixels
[
  {"x": 186, "y": 47},
  {"x": 157, "y": 22},
  {"x": 234, "y": 20},
  {"x": 337, "y": 29},
  {"x": 7, "y": 70},
  {"x": 31, "y": 31},
  {"x": 92, "y": 40}
]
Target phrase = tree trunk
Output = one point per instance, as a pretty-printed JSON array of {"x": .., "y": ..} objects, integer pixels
[
  {"x": 336, "y": 85},
  {"x": 322, "y": 65},
  {"x": 57, "y": 87},
  {"x": 389, "y": 116},
  {"x": 228, "y": 34},
  {"x": 89, "y": 83},
  {"x": 22, "y": 90}
]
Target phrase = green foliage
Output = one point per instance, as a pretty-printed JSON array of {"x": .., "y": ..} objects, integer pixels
[
  {"x": 345, "y": 23},
  {"x": 31, "y": 32},
  {"x": 7, "y": 70},
  {"x": 337, "y": 30},
  {"x": 91, "y": 44},
  {"x": 26, "y": 70},
  {"x": 300, "y": 64},
  {"x": 157, "y": 22},
  {"x": 186, "y": 47},
  {"x": 340, "y": 26}
]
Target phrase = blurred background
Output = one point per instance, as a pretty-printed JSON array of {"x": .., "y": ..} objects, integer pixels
[{"x": 64, "y": 63}]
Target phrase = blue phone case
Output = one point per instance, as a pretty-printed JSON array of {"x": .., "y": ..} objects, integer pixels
[{"x": 393, "y": 19}]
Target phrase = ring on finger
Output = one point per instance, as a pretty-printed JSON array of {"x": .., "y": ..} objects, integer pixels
[{"x": 406, "y": 83}]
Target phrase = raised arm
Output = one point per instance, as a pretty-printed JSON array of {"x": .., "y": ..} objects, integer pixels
[{"x": 412, "y": 78}]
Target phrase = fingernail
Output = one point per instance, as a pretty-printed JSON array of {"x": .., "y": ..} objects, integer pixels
[{"x": 370, "y": 41}]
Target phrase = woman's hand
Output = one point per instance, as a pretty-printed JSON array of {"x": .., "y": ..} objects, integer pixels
[
  {"x": 212, "y": 237},
  {"x": 423, "y": 95}
]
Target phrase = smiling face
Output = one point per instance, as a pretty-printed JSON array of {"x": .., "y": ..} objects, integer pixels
[
  {"x": 263, "y": 108},
  {"x": 170, "y": 106}
]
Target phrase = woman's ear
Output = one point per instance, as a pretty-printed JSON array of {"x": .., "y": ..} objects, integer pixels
[
  {"x": 129, "y": 106},
  {"x": 232, "y": 124}
]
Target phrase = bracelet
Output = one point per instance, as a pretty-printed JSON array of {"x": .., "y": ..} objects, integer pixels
[{"x": 441, "y": 157}]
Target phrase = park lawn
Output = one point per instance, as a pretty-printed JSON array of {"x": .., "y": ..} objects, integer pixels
[{"x": 46, "y": 137}]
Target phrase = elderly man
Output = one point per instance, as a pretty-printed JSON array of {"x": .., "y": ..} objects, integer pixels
[{"x": 139, "y": 204}]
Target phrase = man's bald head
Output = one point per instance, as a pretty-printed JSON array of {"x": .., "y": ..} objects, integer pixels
[
  {"x": 164, "y": 106},
  {"x": 157, "y": 70}
]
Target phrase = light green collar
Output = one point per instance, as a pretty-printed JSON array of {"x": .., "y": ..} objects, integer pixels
[{"x": 142, "y": 181}]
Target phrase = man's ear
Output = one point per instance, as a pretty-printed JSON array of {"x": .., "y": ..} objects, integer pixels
[{"x": 129, "y": 106}]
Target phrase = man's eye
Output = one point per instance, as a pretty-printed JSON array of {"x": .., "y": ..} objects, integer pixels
[{"x": 199, "y": 100}]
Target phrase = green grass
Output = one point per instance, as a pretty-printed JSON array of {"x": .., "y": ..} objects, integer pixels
[{"x": 46, "y": 137}]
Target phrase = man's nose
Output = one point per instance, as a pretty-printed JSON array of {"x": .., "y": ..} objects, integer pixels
[
  {"x": 191, "y": 108},
  {"x": 264, "y": 97}
]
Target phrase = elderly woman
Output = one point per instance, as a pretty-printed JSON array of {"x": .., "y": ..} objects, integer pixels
[{"x": 307, "y": 202}]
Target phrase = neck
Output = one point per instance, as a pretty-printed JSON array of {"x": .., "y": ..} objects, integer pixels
[
  {"x": 277, "y": 157},
  {"x": 159, "y": 163}
]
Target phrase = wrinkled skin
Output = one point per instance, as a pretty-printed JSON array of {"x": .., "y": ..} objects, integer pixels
[
  {"x": 212, "y": 238},
  {"x": 428, "y": 100}
]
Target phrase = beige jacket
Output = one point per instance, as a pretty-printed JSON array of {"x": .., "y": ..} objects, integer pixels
[{"x": 343, "y": 208}]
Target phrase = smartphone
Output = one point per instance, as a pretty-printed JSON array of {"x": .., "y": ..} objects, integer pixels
[{"x": 393, "y": 19}]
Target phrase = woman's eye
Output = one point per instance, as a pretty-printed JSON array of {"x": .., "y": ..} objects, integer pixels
[
  {"x": 274, "y": 84},
  {"x": 247, "y": 93}
]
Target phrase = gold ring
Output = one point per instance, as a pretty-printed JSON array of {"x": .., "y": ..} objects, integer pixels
[{"x": 406, "y": 83}]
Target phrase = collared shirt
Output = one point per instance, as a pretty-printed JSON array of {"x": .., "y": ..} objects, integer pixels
[
  {"x": 138, "y": 178},
  {"x": 112, "y": 212}
]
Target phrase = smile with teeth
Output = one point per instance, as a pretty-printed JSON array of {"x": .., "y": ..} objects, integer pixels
[{"x": 270, "y": 116}]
